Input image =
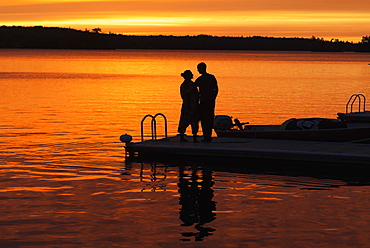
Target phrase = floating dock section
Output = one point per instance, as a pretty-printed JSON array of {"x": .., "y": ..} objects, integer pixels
[{"x": 352, "y": 153}]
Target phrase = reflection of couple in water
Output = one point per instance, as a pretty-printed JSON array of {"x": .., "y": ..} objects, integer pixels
[
  {"x": 197, "y": 207},
  {"x": 198, "y": 105}
]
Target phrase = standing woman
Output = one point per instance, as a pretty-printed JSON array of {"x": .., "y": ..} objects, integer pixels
[{"x": 190, "y": 106}]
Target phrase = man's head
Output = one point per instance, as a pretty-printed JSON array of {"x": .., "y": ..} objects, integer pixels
[{"x": 202, "y": 68}]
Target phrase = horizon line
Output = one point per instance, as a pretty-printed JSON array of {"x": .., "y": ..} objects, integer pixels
[{"x": 99, "y": 31}]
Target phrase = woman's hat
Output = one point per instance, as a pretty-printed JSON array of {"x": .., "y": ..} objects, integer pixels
[{"x": 187, "y": 72}]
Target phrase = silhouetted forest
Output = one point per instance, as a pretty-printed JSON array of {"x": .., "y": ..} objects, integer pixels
[{"x": 66, "y": 38}]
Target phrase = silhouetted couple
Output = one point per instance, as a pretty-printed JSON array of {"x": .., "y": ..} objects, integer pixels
[{"x": 198, "y": 105}]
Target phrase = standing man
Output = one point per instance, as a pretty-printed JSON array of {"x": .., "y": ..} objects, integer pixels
[{"x": 208, "y": 90}]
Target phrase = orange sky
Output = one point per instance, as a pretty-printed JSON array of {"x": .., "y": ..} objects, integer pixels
[{"x": 346, "y": 20}]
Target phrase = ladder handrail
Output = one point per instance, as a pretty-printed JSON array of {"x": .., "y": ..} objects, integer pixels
[
  {"x": 353, "y": 99},
  {"x": 154, "y": 126},
  {"x": 165, "y": 124},
  {"x": 142, "y": 127}
]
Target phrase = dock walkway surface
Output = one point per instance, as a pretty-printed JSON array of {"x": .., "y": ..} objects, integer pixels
[{"x": 282, "y": 150}]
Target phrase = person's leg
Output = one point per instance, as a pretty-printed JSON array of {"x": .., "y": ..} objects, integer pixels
[
  {"x": 183, "y": 124},
  {"x": 207, "y": 128},
  {"x": 195, "y": 129},
  {"x": 203, "y": 118},
  {"x": 207, "y": 120}
]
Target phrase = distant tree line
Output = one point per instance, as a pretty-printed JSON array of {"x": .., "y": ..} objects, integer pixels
[{"x": 67, "y": 38}]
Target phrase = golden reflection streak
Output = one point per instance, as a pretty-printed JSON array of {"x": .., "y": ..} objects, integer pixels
[
  {"x": 275, "y": 193},
  {"x": 52, "y": 173},
  {"x": 141, "y": 190},
  {"x": 267, "y": 198},
  {"x": 99, "y": 193},
  {"x": 34, "y": 189},
  {"x": 251, "y": 186},
  {"x": 82, "y": 177},
  {"x": 225, "y": 211},
  {"x": 138, "y": 200},
  {"x": 339, "y": 197},
  {"x": 69, "y": 212},
  {"x": 26, "y": 176},
  {"x": 75, "y": 176}
]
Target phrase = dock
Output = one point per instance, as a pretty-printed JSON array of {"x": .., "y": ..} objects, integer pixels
[{"x": 350, "y": 153}]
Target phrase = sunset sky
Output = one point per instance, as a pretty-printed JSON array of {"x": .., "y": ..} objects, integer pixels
[{"x": 346, "y": 20}]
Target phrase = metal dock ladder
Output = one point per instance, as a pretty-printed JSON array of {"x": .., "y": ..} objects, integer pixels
[
  {"x": 154, "y": 126},
  {"x": 361, "y": 99}
]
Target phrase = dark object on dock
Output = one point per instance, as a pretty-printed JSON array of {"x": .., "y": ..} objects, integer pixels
[{"x": 310, "y": 129}]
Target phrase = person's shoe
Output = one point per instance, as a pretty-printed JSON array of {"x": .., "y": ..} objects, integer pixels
[{"x": 182, "y": 139}]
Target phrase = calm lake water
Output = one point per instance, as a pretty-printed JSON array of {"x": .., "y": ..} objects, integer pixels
[{"x": 64, "y": 180}]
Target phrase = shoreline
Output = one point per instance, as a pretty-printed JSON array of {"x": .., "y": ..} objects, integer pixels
[{"x": 39, "y": 37}]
